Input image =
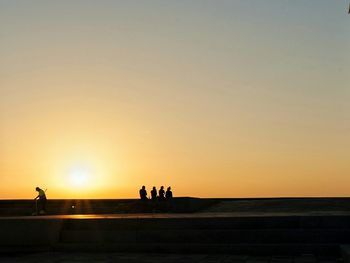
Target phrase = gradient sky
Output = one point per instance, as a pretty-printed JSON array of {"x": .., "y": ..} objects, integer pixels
[{"x": 215, "y": 98}]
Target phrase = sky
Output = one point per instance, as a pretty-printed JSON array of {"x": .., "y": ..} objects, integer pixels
[{"x": 239, "y": 98}]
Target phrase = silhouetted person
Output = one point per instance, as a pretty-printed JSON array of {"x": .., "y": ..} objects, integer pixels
[
  {"x": 168, "y": 193},
  {"x": 143, "y": 193},
  {"x": 42, "y": 200},
  {"x": 154, "y": 193},
  {"x": 161, "y": 193}
]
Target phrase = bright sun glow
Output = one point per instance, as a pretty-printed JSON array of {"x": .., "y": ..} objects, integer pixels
[{"x": 79, "y": 177}]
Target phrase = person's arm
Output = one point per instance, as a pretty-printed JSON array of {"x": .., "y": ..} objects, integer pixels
[{"x": 37, "y": 197}]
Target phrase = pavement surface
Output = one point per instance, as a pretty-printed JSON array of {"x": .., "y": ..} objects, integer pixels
[
  {"x": 57, "y": 257},
  {"x": 180, "y": 215}
]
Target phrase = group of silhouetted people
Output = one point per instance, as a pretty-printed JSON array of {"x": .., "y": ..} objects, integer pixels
[
  {"x": 155, "y": 195},
  {"x": 160, "y": 195}
]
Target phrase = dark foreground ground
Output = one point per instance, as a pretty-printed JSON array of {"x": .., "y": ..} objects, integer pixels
[
  {"x": 54, "y": 257},
  {"x": 183, "y": 230}
]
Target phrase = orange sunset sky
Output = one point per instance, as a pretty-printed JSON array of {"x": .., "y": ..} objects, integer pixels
[{"x": 215, "y": 98}]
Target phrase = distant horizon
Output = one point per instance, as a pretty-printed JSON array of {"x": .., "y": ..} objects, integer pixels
[
  {"x": 214, "y": 98},
  {"x": 195, "y": 197}
]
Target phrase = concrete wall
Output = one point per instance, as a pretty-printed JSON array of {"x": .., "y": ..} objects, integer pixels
[
  {"x": 107, "y": 206},
  {"x": 29, "y": 235},
  {"x": 179, "y": 205},
  {"x": 284, "y": 234}
]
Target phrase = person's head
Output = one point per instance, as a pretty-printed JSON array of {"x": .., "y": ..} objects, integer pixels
[
  {"x": 162, "y": 187},
  {"x": 154, "y": 188},
  {"x": 37, "y": 189},
  {"x": 169, "y": 188},
  {"x": 143, "y": 187}
]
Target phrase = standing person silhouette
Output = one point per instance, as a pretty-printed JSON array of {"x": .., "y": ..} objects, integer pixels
[
  {"x": 143, "y": 193},
  {"x": 168, "y": 193},
  {"x": 42, "y": 200},
  {"x": 161, "y": 193},
  {"x": 154, "y": 193}
]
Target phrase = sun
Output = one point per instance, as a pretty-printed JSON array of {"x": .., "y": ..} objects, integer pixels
[{"x": 79, "y": 177}]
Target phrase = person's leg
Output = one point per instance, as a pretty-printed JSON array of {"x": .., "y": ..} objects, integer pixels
[
  {"x": 43, "y": 204},
  {"x": 36, "y": 207}
]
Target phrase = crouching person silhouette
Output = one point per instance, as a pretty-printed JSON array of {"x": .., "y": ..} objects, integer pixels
[{"x": 42, "y": 201}]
